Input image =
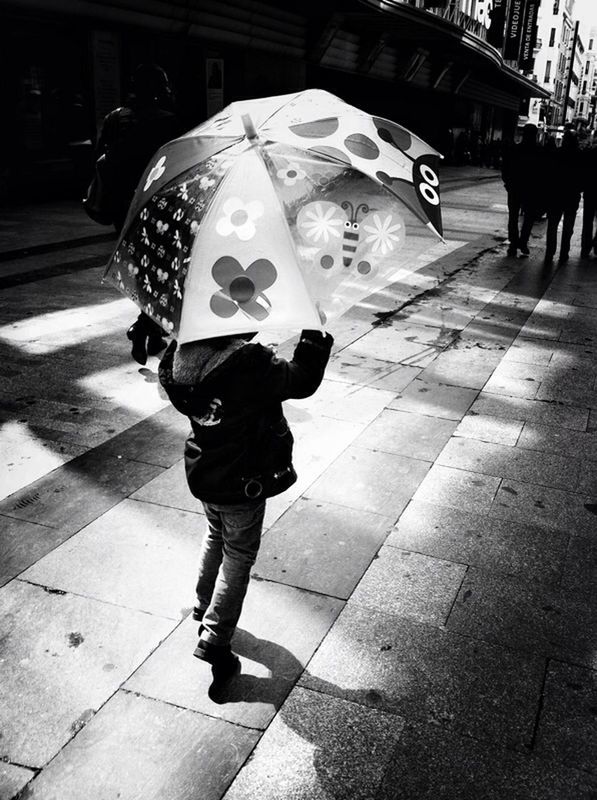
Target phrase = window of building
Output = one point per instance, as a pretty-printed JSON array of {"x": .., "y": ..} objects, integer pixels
[
  {"x": 584, "y": 87},
  {"x": 552, "y": 37},
  {"x": 590, "y": 44},
  {"x": 587, "y": 67},
  {"x": 556, "y": 7},
  {"x": 547, "y": 72}
]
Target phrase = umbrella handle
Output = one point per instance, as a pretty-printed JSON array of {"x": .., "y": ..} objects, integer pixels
[{"x": 249, "y": 127}]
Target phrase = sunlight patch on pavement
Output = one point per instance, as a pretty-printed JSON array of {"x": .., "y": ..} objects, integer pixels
[
  {"x": 25, "y": 457},
  {"x": 56, "y": 330},
  {"x": 127, "y": 386}
]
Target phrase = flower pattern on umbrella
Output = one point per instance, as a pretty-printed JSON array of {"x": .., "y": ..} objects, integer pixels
[
  {"x": 242, "y": 289},
  {"x": 157, "y": 246}
]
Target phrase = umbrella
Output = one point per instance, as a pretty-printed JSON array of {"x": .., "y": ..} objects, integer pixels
[{"x": 279, "y": 212}]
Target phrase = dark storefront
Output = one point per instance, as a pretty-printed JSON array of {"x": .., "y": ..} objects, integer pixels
[{"x": 65, "y": 64}]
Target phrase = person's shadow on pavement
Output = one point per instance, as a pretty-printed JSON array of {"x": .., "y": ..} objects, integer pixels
[{"x": 339, "y": 745}]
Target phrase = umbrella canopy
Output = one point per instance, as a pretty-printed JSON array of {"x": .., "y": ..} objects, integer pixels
[{"x": 276, "y": 213}]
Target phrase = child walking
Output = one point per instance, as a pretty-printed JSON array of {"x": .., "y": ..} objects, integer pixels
[{"x": 238, "y": 454}]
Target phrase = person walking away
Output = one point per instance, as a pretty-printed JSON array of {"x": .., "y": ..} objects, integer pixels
[
  {"x": 588, "y": 239},
  {"x": 129, "y": 136},
  {"x": 522, "y": 176},
  {"x": 238, "y": 454},
  {"x": 563, "y": 196}
]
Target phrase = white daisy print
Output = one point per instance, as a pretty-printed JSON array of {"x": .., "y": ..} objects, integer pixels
[
  {"x": 383, "y": 236},
  {"x": 239, "y": 218},
  {"x": 183, "y": 191},
  {"x": 291, "y": 174},
  {"x": 205, "y": 183},
  {"x": 322, "y": 223},
  {"x": 155, "y": 172}
]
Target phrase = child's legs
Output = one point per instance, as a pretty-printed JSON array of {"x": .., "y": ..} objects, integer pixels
[
  {"x": 210, "y": 557},
  {"x": 241, "y": 527}
]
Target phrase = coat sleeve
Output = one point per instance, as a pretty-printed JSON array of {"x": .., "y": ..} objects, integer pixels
[{"x": 301, "y": 376}]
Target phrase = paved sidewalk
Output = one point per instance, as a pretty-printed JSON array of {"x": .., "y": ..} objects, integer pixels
[{"x": 421, "y": 621}]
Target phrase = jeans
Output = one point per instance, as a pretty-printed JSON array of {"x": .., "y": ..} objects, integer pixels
[
  {"x": 228, "y": 552},
  {"x": 589, "y": 235},
  {"x": 567, "y": 210},
  {"x": 516, "y": 205}
]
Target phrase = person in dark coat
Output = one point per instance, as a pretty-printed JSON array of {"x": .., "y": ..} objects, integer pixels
[
  {"x": 588, "y": 241},
  {"x": 522, "y": 176},
  {"x": 238, "y": 454},
  {"x": 563, "y": 196},
  {"x": 129, "y": 136}
]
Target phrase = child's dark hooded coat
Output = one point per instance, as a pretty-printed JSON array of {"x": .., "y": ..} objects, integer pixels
[{"x": 240, "y": 447}]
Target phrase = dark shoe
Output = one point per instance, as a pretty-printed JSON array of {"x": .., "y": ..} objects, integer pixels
[
  {"x": 585, "y": 253},
  {"x": 155, "y": 345},
  {"x": 197, "y": 614},
  {"x": 222, "y": 673},
  {"x": 524, "y": 250},
  {"x": 137, "y": 337},
  {"x": 512, "y": 252},
  {"x": 563, "y": 258}
]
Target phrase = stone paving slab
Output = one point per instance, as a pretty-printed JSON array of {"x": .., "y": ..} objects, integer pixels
[
  {"x": 558, "y": 391},
  {"x": 55, "y": 499},
  {"x": 540, "y": 505},
  {"x": 13, "y": 779},
  {"x": 397, "y": 380},
  {"x": 458, "y": 488},
  {"x": 170, "y": 489},
  {"x": 321, "y": 547},
  {"x": 412, "y": 345},
  {"x": 423, "y": 673},
  {"x": 319, "y": 748},
  {"x": 516, "y": 380},
  {"x": 462, "y": 368},
  {"x": 63, "y": 656},
  {"x": 158, "y": 439},
  {"x": 520, "y": 408},
  {"x": 381, "y": 483},
  {"x": 435, "y": 399},
  {"x": 531, "y": 351},
  {"x": 22, "y": 544},
  {"x": 557, "y": 441},
  {"x": 526, "y": 617},
  {"x": 580, "y": 567},
  {"x": 433, "y": 764},
  {"x": 138, "y": 555},
  {"x": 407, "y": 433},
  {"x": 567, "y": 732},
  {"x": 344, "y": 401},
  {"x": 514, "y": 463},
  {"x": 501, "y": 546},
  {"x": 410, "y": 585},
  {"x": 279, "y": 630},
  {"x": 27, "y": 457},
  {"x": 490, "y": 429},
  {"x": 357, "y": 369},
  {"x": 136, "y": 747}
]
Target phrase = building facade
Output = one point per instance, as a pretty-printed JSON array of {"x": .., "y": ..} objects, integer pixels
[{"x": 434, "y": 66}]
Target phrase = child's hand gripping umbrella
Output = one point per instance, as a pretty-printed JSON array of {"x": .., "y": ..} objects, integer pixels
[{"x": 278, "y": 213}]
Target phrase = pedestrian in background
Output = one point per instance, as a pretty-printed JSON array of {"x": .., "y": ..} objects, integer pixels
[
  {"x": 522, "y": 173},
  {"x": 588, "y": 241},
  {"x": 238, "y": 454},
  {"x": 564, "y": 170},
  {"x": 129, "y": 137}
]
